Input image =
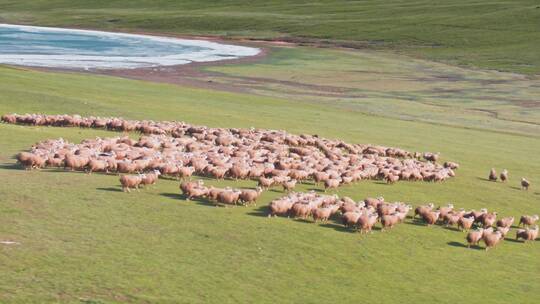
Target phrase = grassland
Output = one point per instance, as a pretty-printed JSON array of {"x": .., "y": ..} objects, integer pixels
[
  {"x": 500, "y": 35},
  {"x": 82, "y": 240}
]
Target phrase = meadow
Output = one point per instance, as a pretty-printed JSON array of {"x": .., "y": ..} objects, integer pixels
[
  {"x": 82, "y": 240},
  {"x": 459, "y": 78}
]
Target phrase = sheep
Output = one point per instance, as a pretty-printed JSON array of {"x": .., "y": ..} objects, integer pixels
[
  {"x": 229, "y": 197},
  {"x": 96, "y": 165},
  {"x": 331, "y": 184},
  {"x": 431, "y": 217},
  {"x": 452, "y": 219},
  {"x": 451, "y": 165},
  {"x": 130, "y": 181},
  {"x": 489, "y": 219},
  {"x": 185, "y": 187},
  {"x": 504, "y": 231},
  {"x": 30, "y": 160},
  {"x": 474, "y": 237},
  {"x": 249, "y": 196},
  {"x": 525, "y": 184},
  {"x": 504, "y": 176},
  {"x": 505, "y": 222},
  {"x": 374, "y": 202},
  {"x": 366, "y": 221},
  {"x": 265, "y": 183},
  {"x": 492, "y": 175},
  {"x": 322, "y": 214},
  {"x": 289, "y": 185},
  {"x": 389, "y": 221},
  {"x": 349, "y": 219},
  {"x": 280, "y": 207},
  {"x": 196, "y": 192},
  {"x": 301, "y": 210},
  {"x": 528, "y": 220},
  {"x": 444, "y": 210},
  {"x": 421, "y": 210},
  {"x": 150, "y": 178},
  {"x": 527, "y": 234},
  {"x": 75, "y": 162},
  {"x": 465, "y": 223},
  {"x": 492, "y": 239}
]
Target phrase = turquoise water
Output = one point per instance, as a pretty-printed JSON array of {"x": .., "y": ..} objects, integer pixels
[{"x": 67, "y": 48}]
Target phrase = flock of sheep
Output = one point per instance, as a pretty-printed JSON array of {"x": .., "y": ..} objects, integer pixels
[
  {"x": 180, "y": 150},
  {"x": 363, "y": 215},
  {"x": 272, "y": 158}
]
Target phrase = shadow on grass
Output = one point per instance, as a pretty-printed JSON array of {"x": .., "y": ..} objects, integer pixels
[
  {"x": 178, "y": 196},
  {"x": 261, "y": 211},
  {"x": 112, "y": 189},
  {"x": 483, "y": 179},
  {"x": 513, "y": 240},
  {"x": 337, "y": 227},
  {"x": 461, "y": 245},
  {"x": 515, "y": 188},
  {"x": 11, "y": 166},
  {"x": 316, "y": 190}
]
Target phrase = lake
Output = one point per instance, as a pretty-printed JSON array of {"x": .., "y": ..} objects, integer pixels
[{"x": 83, "y": 49}]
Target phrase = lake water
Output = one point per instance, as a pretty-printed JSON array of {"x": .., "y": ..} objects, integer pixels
[{"x": 76, "y": 49}]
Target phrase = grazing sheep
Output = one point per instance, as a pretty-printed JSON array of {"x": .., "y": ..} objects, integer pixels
[
  {"x": 150, "y": 178},
  {"x": 474, "y": 237},
  {"x": 525, "y": 184},
  {"x": 505, "y": 222},
  {"x": 489, "y": 219},
  {"x": 322, "y": 214},
  {"x": 349, "y": 219},
  {"x": 331, "y": 184},
  {"x": 504, "y": 176},
  {"x": 249, "y": 196},
  {"x": 229, "y": 197},
  {"x": 389, "y": 221},
  {"x": 431, "y": 217},
  {"x": 465, "y": 223},
  {"x": 504, "y": 231},
  {"x": 527, "y": 234},
  {"x": 280, "y": 207},
  {"x": 301, "y": 210},
  {"x": 130, "y": 181},
  {"x": 528, "y": 220},
  {"x": 492, "y": 175},
  {"x": 289, "y": 185},
  {"x": 421, "y": 210},
  {"x": 265, "y": 183},
  {"x": 366, "y": 221},
  {"x": 492, "y": 239}
]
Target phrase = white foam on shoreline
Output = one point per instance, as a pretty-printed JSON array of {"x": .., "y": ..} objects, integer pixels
[{"x": 206, "y": 51}]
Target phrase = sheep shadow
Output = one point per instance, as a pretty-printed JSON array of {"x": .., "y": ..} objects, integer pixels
[
  {"x": 515, "y": 188},
  {"x": 316, "y": 190},
  {"x": 11, "y": 166},
  {"x": 174, "y": 196},
  {"x": 260, "y": 212},
  {"x": 514, "y": 240},
  {"x": 483, "y": 179},
  {"x": 111, "y": 189},
  {"x": 337, "y": 227},
  {"x": 451, "y": 228},
  {"x": 461, "y": 245}
]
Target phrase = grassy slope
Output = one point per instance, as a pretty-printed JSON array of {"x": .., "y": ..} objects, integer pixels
[
  {"x": 489, "y": 34},
  {"x": 381, "y": 83},
  {"x": 86, "y": 241}
]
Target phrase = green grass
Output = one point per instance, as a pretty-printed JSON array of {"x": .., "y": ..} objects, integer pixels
[
  {"x": 500, "y": 35},
  {"x": 81, "y": 240}
]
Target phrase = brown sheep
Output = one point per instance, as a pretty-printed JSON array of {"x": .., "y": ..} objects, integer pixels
[
  {"x": 229, "y": 197},
  {"x": 503, "y": 230},
  {"x": 474, "y": 237},
  {"x": 492, "y": 175},
  {"x": 374, "y": 202},
  {"x": 349, "y": 219},
  {"x": 492, "y": 239},
  {"x": 504, "y": 176},
  {"x": 196, "y": 192},
  {"x": 30, "y": 160},
  {"x": 249, "y": 196},
  {"x": 366, "y": 221},
  {"x": 322, "y": 214},
  {"x": 525, "y": 184},
  {"x": 96, "y": 165},
  {"x": 150, "y": 178},
  {"x": 421, "y": 210},
  {"x": 75, "y": 162},
  {"x": 489, "y": 219},
  {"x": 331, "y": 184},
  {"x": 431, "y": 217},
  {"x": 389, "y": 221},
  {"x": 527, "y": 234},
  {"x": 265, "y": 183},
  {"x": 185, "y": 172},
  {"x": 444, "y": 210},
  {"x": 505, "y": 222},
  {"x": 289, "y": 185},
  {"x": 130, "y": 181},
  {"x": 528, "y": 220},
  {"x": 280, "y": 207},
  {"x": 301, "y": 210},
  {"x": 465, "y": 223}
]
